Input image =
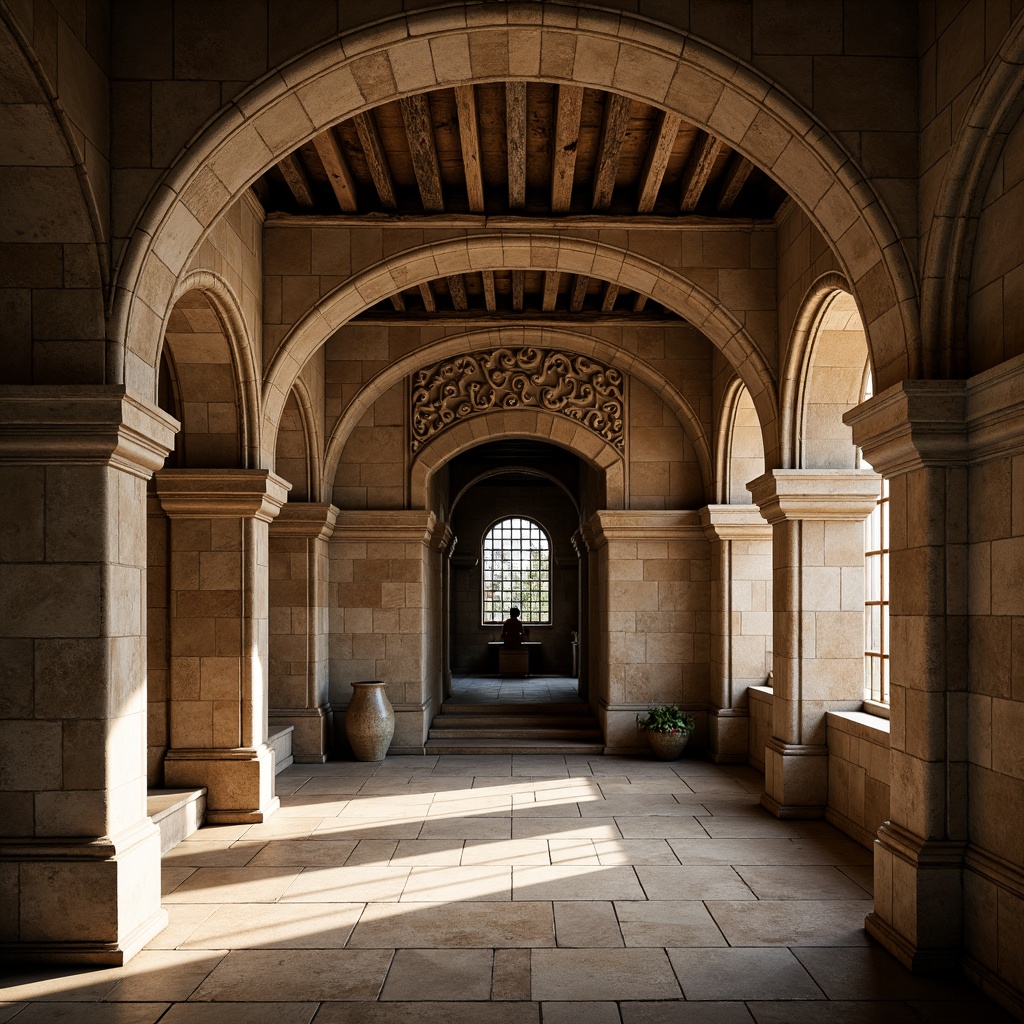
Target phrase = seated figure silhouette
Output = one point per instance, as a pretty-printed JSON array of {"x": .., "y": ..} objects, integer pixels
[{"x": 513, "y": 633}]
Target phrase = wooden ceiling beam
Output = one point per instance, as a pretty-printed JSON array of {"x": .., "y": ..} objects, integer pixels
[
  {"x": 698, "y": 170},
  {"x": 656, "y": 161},
  {"x": 419, "y": 130},
  {"x": 639, "y": 302},
  {"x": 515, "y": 123},
  {"x": 611, "y": 293},
  {"x": 568, "y": 109},
  {"x": 398, "y": 301},
  {"x": 579, "y": 293},
  {"x": 549, "y": 302},
  {"x": 469, "y": 138},
  {"x": 736, "y": 173},
  {"x": 338, "y": 173},
  {"x": 376, "y": 161},
  {"x": 613, "y": 132},
  {"x": 427, "y": 294},
  {"x": 296, "y": 180},
  {"x": 490, "y": 297},
  {"x": 518, "y": 287},
  {"x": 457, "y": 289}
]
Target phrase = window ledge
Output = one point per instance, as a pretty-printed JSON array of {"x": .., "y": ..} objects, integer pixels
[
  {"x": 860, "y": 723},
  {"x": 874, "y": 707}
]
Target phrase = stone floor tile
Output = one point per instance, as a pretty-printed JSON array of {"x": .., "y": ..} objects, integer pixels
[
  {"x": 454, "y": 925},
  {"x": 374, "y": 851},
  {"x": 308, "y": 805},
  {"x": 212, "y": 855},
  {"x": 634, "y": 851},
  {"x": 763, "y": 826},
  {"x": 275, "y": 926},
  {"x": 602, "y": 974},
  {"x": 580, "y": 1013},
  {"x": 548, "y": 809},
  {"x": 739, "y": 851},
  {"x": 261, "y": 975},
  {"x": 240, "y": 1013},
  {"x": 217, "y": 834},
  {"x": 800, "y": 882},
  {"x": 284, "y": 827},
  {"x": 719, "y": 807},
  {"x": 473, "y": 827},
  {"x": 837, "y": 1013},
  {"x": 171, "y": 876},
  {"x": 84, "y": 1013},
  {"x": 439, "y": 974},
  {"x": 163, "y": 975},
  {"x": 686, "y": 1013},
  {"x": 668, "y": 923},
  {"x": 183, "y": 919},
  {"x": 234, "y": 885},
  {"x": 725, "y": 974},
  {"x": 506, "y": 851},
  {"x": 793, "y": 922},
  {"x": 510, "y": 978},
  {"x": 586, "y": 924},
  {"x": 412, "y": 853},
  {"x": 564, "y": 828},
  {"x": 573, "y": 851},
  {"x": 642, "y": 804},
  {"x": 575, "y": 882},
  {"x": 499, "y": 806},
  {"x": 335, "y": 829},
  {"x": 429, "y": 1013},
  {"x": 862, "y": 874},
  {"x": 979, "y": 1009},
  {"x": 301, "y": 853},
  {"x": 492, "y": 883},
  {"x": 692, "y": 882},
  {"x": 29, "y": 983},
  {"x": 357, "y": 884},
  {"x": 682, "y": 826}
]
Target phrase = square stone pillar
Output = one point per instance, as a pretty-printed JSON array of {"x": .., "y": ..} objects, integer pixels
[
  {"x": 741, "y": 622},
  {"x": 79, "y": 857},
  {"x": 219, "y": 636},
  {"x": 817, "y": 521},
  {"x": 299, "y": 679},
  {"x": 650, "y": 587},
  {"x": 916, "y": 433},
  {"x": 385, "y": 616}
]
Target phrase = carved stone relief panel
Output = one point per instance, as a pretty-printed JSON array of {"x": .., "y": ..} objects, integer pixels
[{"x": 469, "y": 385}]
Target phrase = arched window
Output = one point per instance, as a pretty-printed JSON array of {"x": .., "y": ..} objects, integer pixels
[
  {"x": 876, "y": 589},
  {"x": 516, "y": 571}
]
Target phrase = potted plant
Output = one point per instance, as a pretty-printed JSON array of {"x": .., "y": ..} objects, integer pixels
[{"x": 668, "y": 728}]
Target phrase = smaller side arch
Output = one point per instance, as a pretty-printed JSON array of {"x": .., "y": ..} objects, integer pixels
[{"x": 739, "y": 450}]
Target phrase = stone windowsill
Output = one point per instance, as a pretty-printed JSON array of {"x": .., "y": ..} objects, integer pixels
[
  {"x": 862, "y": 724},
  {"x": 762, "y": 693}
]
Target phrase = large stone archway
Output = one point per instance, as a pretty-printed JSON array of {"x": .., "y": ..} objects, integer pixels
[{"x": 422, "y": 51}]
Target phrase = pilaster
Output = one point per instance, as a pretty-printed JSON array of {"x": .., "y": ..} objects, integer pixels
[
  {"x": 219, "y": 646},
  {"x": 79, "y": 857},
  {"x": 818, "y": 622}
]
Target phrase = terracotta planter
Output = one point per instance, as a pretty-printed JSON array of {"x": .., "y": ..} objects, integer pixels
[
  {"x": 369, "y": 721},
  {"x": 668, "y": 745}
]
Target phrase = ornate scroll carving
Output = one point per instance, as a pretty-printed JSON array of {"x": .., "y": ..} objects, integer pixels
[{"x": 506, "y": 378}]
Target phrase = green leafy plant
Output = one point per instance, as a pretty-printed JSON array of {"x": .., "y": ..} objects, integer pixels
[{"x": 666, "y": 718}]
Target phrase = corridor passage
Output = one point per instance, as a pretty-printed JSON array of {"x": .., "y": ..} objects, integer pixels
[{"x": 509, "y": 890}]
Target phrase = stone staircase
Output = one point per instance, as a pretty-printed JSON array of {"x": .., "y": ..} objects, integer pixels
[{"x": 515, "y": 728}]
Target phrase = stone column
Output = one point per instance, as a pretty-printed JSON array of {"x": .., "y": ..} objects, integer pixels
[
  {"x": 79, "y": 857},
  {"x": 915, "y": 434},
  {"x": 817, "y": 518},
  {"x": 380, "y": 627},
  {"x": 741, "y": 625},
  {"x": 299, "y": 675},
  {"x": 219, "y": 636}
]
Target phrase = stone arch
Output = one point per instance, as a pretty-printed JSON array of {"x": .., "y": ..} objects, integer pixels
[
  {"x": 419, "y": 51},
  {"x": 511, "y": 468},
  {"x": 997, "y": 105},
  {"x": 535, "y": 424},
  {"x": 58, "y": 335},
  {"x": 207, "y": 345},
  {"x": 739, "y": 448},
  {"x": 826, "y": 364},
  {"x": 544, "y": 337}
]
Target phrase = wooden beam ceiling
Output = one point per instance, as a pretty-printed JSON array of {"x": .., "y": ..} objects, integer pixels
[
  {"x": 515, "y": 125},
  {"x": 423, "y": 150},
  {"x": 569, "y": 107},
  {"x": 338, "y": 173},
  {"x": 469, "y": 139},
  {"x": 656, "y": 162},
  {"x": 613, "y": 130},
  {"x": 736, "y": 174},
  {"x": 376, "y": 161},
  {"x": 698, "y": 170},
  {"x": 296, "y": 180}
]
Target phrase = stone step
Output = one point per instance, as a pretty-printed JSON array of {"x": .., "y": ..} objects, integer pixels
[
  {"x": 511, "y": 746},
  {"x": 517, "y": 708},
  {"x": 582, "y": 735},
  {"x": 512, "y": 721}
]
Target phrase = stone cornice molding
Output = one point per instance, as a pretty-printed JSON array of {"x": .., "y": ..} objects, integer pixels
[
  {"x": 442, "y": 538},
  {"x": 913, "y": 424},
  {"x": 358, "y": 525},
  {"x": 76, "y": 424},
  {"x": 622, "y": 525},
  {"x": 312, "y": 519},
  {"x": 221, "y": 493},
  {"x": 995, "y": 411},
  {"x": 734, "y": 522},
  {"x": 830, "y": 494}
]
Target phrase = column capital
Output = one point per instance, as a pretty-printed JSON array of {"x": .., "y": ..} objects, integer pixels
[
  {"x": 413, "y": 526},
  {"x": 734, "y": 522},
  {"x": 221, "y": 493},
  {"x": 824, "y": 494},
  {"x": 313, "y": 519},
  {"x": 912, "y": 424},
  {"x": 84, "y": 424},
  {"x": 614, "y": 524}
]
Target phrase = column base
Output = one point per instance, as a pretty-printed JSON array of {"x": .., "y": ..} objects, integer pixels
[
  {"x": 728, "y": 730},
  {"x": 239, "y": 782},
  {"x": 795, "y": 779},
  {"x": 311, "y": 739},
  {"x": 918, "y": 914},
  {"x": 81, "y": 901}
]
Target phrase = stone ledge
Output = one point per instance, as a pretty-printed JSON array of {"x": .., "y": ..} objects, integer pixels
[{"x": 861, "y": 724}]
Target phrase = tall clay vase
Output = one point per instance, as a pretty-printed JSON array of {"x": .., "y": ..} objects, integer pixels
[{"x": 369, "y": 721}]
